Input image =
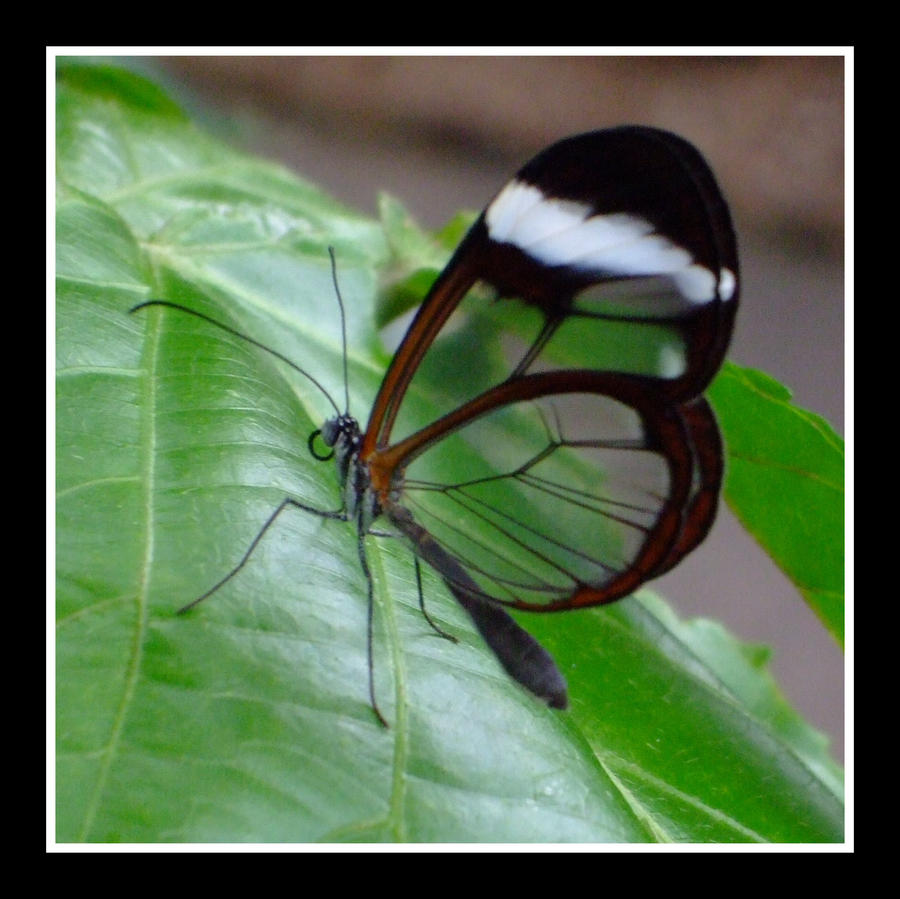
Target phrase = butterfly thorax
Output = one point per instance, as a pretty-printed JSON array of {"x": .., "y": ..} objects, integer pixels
[{"x": 360, "y": 501}]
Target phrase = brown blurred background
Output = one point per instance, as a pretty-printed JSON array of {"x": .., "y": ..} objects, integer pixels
[{"x": 444, "y": 133}]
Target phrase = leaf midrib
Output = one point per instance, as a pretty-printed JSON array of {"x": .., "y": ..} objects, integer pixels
[{"x": 147, "y": 443}]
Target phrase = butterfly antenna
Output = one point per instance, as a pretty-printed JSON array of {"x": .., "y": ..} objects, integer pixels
[
  {"x": 340, "y": 300},
  {"x": 230, "y": 330}
]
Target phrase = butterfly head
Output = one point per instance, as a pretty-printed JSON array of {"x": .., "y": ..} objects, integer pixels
[{"x": 342, "y": 434}]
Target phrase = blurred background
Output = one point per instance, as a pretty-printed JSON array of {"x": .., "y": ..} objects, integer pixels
[{"x": 444, "y": 133}]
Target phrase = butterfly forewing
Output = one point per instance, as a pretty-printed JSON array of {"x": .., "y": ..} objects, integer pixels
[{"x": 610, "y": 251}]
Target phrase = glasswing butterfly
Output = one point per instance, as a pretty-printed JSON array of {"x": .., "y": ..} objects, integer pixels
[{"x": 571, "y": 399}]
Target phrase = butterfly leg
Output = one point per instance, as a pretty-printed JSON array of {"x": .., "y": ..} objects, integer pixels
[
  {"x": 438, "y": 630},
  {"x": 287, "y": 501},
  {"x": 370, "y": 615}
]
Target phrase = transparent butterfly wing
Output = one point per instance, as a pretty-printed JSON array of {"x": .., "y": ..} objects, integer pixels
[{"x": 568, "y": 457}]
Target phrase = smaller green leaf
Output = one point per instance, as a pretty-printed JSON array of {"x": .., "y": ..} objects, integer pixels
[
  {"x": 416, "y": 257},
  {"x": 119, "y": 88},
  {"x": 785, "y": 482}
]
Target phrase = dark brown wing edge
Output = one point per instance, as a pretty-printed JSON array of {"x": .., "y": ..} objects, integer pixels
[{"x": 709, "y": 466}]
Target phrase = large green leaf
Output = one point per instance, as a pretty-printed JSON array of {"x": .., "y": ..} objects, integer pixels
[{"x": 248, "y": 719}]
